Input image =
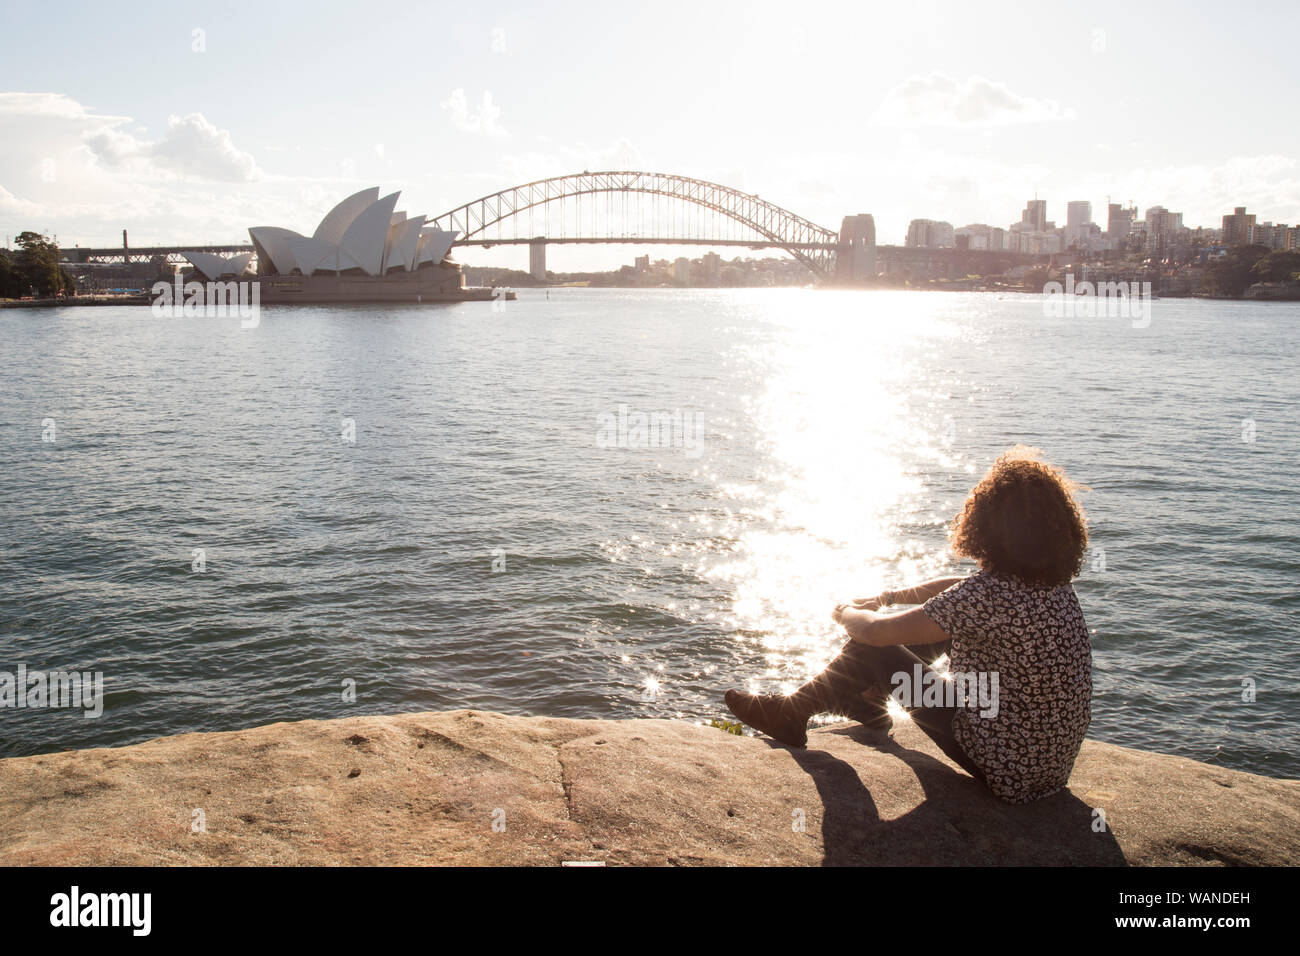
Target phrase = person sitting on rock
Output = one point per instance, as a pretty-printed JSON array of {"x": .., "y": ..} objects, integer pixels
[{"x": 1014, "y": 627}]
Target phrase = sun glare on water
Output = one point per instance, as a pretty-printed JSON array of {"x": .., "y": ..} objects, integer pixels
[{"x": 832, "y": 420}]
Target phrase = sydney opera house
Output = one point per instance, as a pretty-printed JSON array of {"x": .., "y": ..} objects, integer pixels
[{"x": 364, "y": 250}]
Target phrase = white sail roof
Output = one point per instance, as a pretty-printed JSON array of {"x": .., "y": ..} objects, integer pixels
[
  {"x": 366, "y": 237},
  {"x": 276, "y": 244},
  {"x": 403, "y": 241},
  {"x": 311, "y": 254},
  {"x": 215, "y": 267},
  {"x": 434, "y": 245},
  {"x": 338, "y": 219},
  {"x": 362, "y": 232}
]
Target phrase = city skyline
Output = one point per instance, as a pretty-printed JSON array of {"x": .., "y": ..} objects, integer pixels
[{"x": 958, "y": 118}]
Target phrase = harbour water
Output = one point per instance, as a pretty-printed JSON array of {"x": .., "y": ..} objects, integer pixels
[{"x": 375, "y": 510}]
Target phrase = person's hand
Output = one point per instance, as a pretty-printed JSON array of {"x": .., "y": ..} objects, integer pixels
[
  {"x": 867, "y": 604},
  {"x": 854, "y": 620}
]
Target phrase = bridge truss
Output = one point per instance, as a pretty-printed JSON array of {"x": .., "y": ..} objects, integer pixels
[{"x": 640, "y": 208}]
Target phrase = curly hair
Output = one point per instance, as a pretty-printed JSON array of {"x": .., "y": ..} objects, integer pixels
[{"x": 1022, "y": 519}]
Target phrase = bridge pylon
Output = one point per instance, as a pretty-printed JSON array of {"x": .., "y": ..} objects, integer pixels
[
  {"x": 537, "y": 259},
  {"x": 855, "y": 256}
]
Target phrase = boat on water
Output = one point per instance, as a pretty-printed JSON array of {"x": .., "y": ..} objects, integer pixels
[{"x": 364, "y": 250}]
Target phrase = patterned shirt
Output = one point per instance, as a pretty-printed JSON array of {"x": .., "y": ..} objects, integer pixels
[{"x": 1035, "y": 639}]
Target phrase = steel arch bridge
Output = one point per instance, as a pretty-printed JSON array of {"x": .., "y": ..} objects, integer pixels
[{"x": 641, "y": 208}]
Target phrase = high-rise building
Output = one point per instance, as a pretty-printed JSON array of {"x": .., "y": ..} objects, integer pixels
[
  {"x": 1035, "y": 215},
  {"x": 930, "y": 234},
  {"x": 1160, "y": 220},
  {"x": 712, "y": 266},
  {"x": 1162, "y": 228},
  {"x": 1237, "y": 226},
  {"x": 981, "y": 237},
  {"x": 1022, "y": 238},
  {"x": 1280, "y": 238},
  {"x": 1078, "y": 223},
  {"x": 976, "y": 236},
  {"x": 1119, "y": 223}
]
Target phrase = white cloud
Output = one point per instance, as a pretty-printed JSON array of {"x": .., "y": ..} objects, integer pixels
[
  {"x": 9, "y": 203},
  {"x": 1267, "y": 184},
  {"x": 115, "y": 149},
  {"x": 53, "y": 105},
  {"x": 84, "y": 176},
  {"x": 937, "y": 99},
  {"x": 192, "y": 147}
]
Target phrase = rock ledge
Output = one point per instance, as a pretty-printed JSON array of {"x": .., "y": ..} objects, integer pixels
[{"x": 470, "y": 787}]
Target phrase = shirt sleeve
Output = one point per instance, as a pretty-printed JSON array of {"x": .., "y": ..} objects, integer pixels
[{"x": 964, "y": 611}]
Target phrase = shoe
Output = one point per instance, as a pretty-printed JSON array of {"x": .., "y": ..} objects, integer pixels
[
  {"x": 769, "y": 714},
  {"x": 872, "y": 717}
]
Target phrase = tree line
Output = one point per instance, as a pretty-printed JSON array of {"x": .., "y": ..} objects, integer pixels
[
  {"x": 1243, "y": 266},
  {"x": 33, "y": 269}
]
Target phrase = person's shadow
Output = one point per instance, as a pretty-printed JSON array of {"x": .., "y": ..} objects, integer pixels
[{"x": 958, "y": 822}]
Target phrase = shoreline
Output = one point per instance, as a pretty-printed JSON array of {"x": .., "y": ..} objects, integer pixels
[
  {"x": 479, "y": 788},
  {"x": 87, "y": 301}
]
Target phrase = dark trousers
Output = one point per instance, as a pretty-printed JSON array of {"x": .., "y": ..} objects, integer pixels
[{"x": 858, "y": 681}]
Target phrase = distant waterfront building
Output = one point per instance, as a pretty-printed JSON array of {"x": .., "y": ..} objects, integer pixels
[
  {"x": 1079, "y": 227},
  {"x": 682, "y": 270},
  {"x": 1034, "y": 216},
  {"x": 1034, "y": 233},
  {"x": 642, "y": 263},
  {"x": 973, "y": 236},
  {"x": 1237, "y": 227},
  {"x": 1279, "y": 238},
  {"x": 1137, "y": 236},
  {"x": 1022, "y": 238},
  {"x": 364, "y": 250},
  {"x": 983, "y": 237},
  {"x": 1119, "y": 223},
  {"x": 712, "y": 266},
  {"x": 1163, "y": 229},
  {"x": 361, "y": 235},
  {"x": 929, "y": 234},
  {"x": 1160, "y": 221}
]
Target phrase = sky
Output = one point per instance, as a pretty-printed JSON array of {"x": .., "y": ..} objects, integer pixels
[{"x": 189, "y": 122}]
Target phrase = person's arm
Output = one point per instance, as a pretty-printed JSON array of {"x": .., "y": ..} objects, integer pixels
[
  {"x": 917, "y": 594},
  {"x": 882, "y": 630}
]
